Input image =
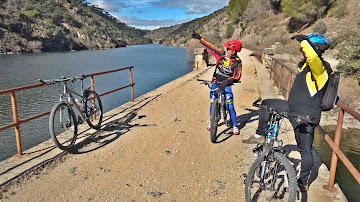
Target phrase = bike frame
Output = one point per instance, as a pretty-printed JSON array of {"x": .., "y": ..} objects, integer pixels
[
  {"x": 68, "y": 92},
  {"x": 270, "y": 138},
  {"x": 221, "y": 100}
]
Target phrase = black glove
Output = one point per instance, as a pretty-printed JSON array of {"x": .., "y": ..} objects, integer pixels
[
  {"x": 196, "y": 35},
  {"x": 223, "y": 84},
  {"x": 300, "y": 37}
]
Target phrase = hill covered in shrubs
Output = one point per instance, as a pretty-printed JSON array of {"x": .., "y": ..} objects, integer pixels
[{"x": 61, "y": 25}]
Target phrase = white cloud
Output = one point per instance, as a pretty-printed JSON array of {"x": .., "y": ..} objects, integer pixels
[
  {"x": 109, "y": 5},
  {"x": 149, "y": 24},
  {"x": 194, "y": 6},
  {"x": 191, "y": 7}
]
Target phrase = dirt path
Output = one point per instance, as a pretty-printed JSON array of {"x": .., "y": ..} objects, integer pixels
[{"x": 159, "y": 151}]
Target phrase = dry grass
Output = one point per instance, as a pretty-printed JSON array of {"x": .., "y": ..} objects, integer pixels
[{"x": 349, "y": 92}]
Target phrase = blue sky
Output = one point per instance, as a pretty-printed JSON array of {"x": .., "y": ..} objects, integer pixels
[{"x": 152, "y": 14}]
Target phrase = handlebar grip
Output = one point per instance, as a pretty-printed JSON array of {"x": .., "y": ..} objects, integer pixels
[
  {"x": 42, "y": 81},
  {"x": 255, "y": 103}
]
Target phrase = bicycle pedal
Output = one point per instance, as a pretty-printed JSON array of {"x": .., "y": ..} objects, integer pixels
[{"x": 80, "y": 121}]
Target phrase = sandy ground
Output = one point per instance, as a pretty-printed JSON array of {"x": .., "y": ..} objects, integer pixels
[{"x": 155, "y": 149}]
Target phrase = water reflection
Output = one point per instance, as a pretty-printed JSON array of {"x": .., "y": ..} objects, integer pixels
[{"x": 350, "y": 146}]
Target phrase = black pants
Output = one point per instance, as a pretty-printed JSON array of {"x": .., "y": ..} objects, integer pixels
[
  {"x": 264, "y": 117},
  {"x": 304, "y": 135}
]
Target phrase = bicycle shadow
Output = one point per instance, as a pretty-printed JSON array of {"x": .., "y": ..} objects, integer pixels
[
  {"x": 117, "y": 127},
  {"x": 46, "y": 154},
  {"x": 242, "y": 120},
  {"x": 296, "y": 165}
]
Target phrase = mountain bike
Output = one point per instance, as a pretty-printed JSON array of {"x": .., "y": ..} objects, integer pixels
[
  {"x": 272, "y": 176},
  {"x": 63, "y": 123},
  {"x": 218, "y": 110}
]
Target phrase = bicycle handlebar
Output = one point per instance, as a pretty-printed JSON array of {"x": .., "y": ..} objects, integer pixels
[{"x": 63, "y": 79}]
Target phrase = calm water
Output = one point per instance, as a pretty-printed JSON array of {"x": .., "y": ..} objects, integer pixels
[
  {"x": 154, "y": 65},
  {"x": 350, "y": 146}
]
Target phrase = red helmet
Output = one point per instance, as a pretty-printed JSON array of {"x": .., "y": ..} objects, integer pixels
[{"x": 233, "y": 45}]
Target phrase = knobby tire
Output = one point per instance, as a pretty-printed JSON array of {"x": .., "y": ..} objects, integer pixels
[
  {"x": 93, "y": 106},
  {"x": 277, "y": 192},
  {"x": 63, "y": 126},
  {"x": 214, "y": 119}
]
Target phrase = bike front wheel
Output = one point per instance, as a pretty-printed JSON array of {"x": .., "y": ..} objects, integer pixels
[
  {"x": 214, "y": 120},
  {"x": 63, "y": 126},
  {"x": 271, "y": 179},
  {"x": 93, "y": 110}
]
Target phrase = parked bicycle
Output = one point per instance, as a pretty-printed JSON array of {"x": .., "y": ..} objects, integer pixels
[
  {"x": 63, "y": 123},
  {"x": 218, "y": 110},
  {"x": 272, "y": 176}
]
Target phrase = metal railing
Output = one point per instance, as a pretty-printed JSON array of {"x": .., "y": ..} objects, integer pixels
[
  {"x": 16, "y": 124},
  {"x": 278, "y": 71}
]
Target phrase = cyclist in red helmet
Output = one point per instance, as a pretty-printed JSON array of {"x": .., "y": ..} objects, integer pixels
[{"x": 227, "y": 71}]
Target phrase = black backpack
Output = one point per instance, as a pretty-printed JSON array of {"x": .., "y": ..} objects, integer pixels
[{"x": 330, "y": 95}]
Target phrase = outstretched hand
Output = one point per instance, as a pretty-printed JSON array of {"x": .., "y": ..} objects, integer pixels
[
  {"x": 299, "y": 37},
  {"x": 195, "y": 35}
]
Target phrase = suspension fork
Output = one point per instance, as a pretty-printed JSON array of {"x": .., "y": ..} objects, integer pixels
[{"x": 267, "y": 156}]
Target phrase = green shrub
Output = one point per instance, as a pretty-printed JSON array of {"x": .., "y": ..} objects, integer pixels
[
  {"x": 304, "y": 11},
  {"x": 339, "y": 10},
  {"x": 320, "y": 27},
  {"x": 236, "y": 8},
  {"x": 348, "y": 45},
  {"x": 31, "y": 13},
  {"x": 229, "y": 30}
]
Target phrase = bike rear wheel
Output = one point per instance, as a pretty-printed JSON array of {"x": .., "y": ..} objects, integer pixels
[
  {"x": 279, "y": 181},
  {"x": 63, "y": 126},
  {"x": 93, "y": 110},
  {"x": 214, "y": 120}
]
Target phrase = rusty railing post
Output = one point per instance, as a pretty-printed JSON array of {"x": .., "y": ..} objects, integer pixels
[
  {"x": 288, "y": 86},
  {"x": 92, "y": 83},
  {"x": 280, "y": 79},
  {"x": 334, "y": 158},
  {"x": 272, "y": 66},
  {"x": 274, "y": 76},
  {"x": 16, "y": 122},
  {"x": 132, "y": 85},
  {"x": 93, "y": 89}
]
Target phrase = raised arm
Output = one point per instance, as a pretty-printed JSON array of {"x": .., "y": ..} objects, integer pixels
[{"x": 209, "y": 47}]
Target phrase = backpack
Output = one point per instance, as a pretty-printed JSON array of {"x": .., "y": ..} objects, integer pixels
[{"x": 330, "y": 95}]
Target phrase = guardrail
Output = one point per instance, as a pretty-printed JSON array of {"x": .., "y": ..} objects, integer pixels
[
  {"x": 277, "y": 74},
  {"x": 16, "y": 124}
]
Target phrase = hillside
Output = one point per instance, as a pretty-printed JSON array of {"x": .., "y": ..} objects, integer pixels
[
  {"x": 61, "y": 25},
  {"x": 262, "y": 24}
]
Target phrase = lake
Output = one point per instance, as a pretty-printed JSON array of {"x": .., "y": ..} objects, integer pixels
[{"x": 154, "y": 65}]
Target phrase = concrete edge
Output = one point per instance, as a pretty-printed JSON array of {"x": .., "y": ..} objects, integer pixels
[{"x": 15, "y": 169}]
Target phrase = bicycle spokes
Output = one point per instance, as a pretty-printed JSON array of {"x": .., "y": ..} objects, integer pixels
[
  {"x": 93, "y": 110},
  {"x": 269, "y": 179},
  {"x": 62, "y": 126}
]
